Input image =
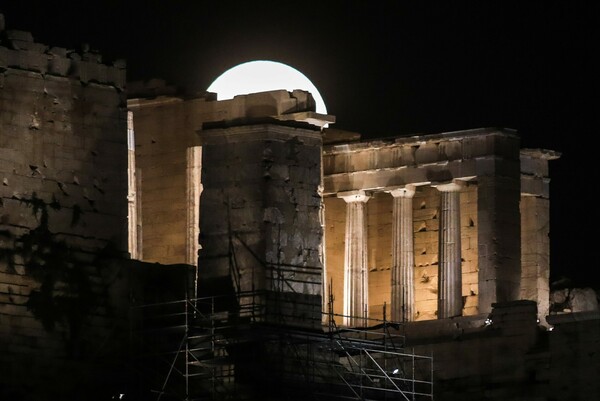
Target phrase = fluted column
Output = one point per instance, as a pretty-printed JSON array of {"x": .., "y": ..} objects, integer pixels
[
  {"x": 356, "y": 272},
  {"x": 450, "y": 270},
  {"x": 403, "y": 256}
]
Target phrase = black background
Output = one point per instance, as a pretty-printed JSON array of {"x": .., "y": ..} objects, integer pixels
[{"x": 384, "y": 68}]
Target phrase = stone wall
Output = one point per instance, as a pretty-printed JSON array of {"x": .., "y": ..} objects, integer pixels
[
  {"x": 260, "y": 227},
  {"x": 575, "y": 348},
  {"x": 535, "y": 228},
  {"x": 164, "y": 130},
  {"x": 495, "y": 357},
  {"x": 63, "y": 215},
  {"x": 379, "y": 225}
]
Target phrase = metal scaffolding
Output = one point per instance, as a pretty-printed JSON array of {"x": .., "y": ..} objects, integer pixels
[{"x": 218, "y": 348}]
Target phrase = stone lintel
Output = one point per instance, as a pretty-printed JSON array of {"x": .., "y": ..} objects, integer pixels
[
  {"x": 386, "y": 179},
  {"x": 565, "y": 318},
  {"x": 258, "y": 132},
  {"x": 535, "y": 186},
  {"x": 154, "y": 102},
  {"x": 536, "y": 166}
]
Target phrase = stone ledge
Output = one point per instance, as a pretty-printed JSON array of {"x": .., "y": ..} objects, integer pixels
[{"x": 573, "y": 317}]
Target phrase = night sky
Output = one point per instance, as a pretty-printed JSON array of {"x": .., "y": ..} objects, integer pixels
[{"x": 383, "y": 68}]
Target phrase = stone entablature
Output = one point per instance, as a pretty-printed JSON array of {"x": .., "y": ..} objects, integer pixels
[
  {"x": 535, "y": 175},
  {"x": 440, "y": 158}
]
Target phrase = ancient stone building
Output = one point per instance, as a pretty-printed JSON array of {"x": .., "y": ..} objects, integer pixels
[
  {"x": 444, "y": 204},
  {"x": 446, "y": 233},
  {"x": 272, "y": 257}
]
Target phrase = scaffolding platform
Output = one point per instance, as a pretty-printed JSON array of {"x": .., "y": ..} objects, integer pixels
[{"x": 201, "y": 349}]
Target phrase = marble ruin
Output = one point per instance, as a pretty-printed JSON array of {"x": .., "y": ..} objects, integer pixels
[{"x": 118, "y": 195}]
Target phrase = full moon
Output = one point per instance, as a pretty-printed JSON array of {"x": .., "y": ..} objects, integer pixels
[{"x": 261, "y": 76}]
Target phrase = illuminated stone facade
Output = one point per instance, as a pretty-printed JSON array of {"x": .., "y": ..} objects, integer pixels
[
  {"x": 445, "y": 235},
  {"x": 480, "y": 166},
  {"x": 473, "y": 218}
]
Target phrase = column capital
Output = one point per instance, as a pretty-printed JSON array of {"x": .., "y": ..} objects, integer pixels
[
  {"x": 454, "y": 186},
  {"x": 407, "y": 191},
  {"x": 354, "y": 196}
]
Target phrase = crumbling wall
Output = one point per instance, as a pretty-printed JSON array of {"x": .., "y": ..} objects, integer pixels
[
  {"x": 63, "y": 211},
  {"x": 260, "y": 219}
]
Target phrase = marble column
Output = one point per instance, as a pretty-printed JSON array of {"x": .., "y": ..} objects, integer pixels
[
  {"x": 403, "y": 256},
  {"x": 356, "y": 272},
  {"x": 450, "y": 270}
]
